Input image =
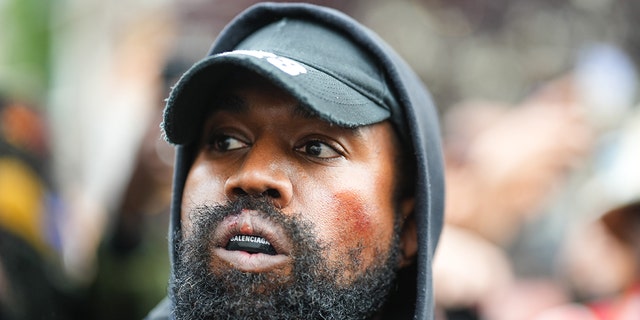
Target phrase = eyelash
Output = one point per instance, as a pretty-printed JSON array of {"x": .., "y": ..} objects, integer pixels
[
  {"x": 213, "y": 143},
  {"x": 306, "y": 144}
]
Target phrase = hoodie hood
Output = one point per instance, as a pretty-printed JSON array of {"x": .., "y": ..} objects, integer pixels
[{"x": 420, "y": 129}]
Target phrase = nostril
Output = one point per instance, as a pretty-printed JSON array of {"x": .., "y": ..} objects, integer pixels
[
  {"x": 239, "y": 192},
  {"x": 272, "y": 193}
]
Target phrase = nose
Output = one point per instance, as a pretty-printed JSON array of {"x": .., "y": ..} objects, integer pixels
[{"x": 261, "y": 173}]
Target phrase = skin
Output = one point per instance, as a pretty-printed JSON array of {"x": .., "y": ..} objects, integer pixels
[{"x": 262, "y": 143}]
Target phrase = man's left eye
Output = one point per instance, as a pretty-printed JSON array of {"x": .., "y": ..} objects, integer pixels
[{"x": 319, "y": 150}]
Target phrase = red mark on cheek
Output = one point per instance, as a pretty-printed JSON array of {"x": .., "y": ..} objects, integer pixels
[{"x": 353, "y": 222}]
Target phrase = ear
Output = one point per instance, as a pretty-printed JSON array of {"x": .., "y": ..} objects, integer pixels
[{"x": 408, "y": 234}]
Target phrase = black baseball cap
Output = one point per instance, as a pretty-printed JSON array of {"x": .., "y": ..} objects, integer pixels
[{"x": 322, "y": 68}]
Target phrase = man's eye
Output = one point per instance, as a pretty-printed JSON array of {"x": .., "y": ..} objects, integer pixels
[
  {"x": 225, "y": 143},
  {"x": 319, "y": 150}
]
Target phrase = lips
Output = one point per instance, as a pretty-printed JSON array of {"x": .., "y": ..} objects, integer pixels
[{"x": 251, "y": 243}]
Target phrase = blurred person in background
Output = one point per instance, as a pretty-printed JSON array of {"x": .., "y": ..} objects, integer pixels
[
  {"x": 508, "y": 160},
  {"x": 133, "y": 259},
  {"x": 503, "y": 166},
  {"x": 32, "y": 282},
  {"x": 601, "y": 255},
  {"x": 602, "y": 264},
  {"x": 523, "y": 172},
  {"x": 623, "y": 224}
]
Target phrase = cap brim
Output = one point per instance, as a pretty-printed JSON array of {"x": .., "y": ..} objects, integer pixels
[{"x": 333, "y": 100}]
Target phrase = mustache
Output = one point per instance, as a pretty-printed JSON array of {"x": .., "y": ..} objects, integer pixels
[
  {"x": 209, "y": 215},
  {"x": 206, "y": 218}
]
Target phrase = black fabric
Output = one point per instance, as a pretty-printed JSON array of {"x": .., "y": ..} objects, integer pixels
[{"x": 417, "y": 113}]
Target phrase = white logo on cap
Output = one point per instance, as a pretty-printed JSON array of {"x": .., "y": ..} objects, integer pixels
[{"x": 287, "y": 65}]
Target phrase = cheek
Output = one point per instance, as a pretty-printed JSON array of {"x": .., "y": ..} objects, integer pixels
[
  {"x": 361, "y": 223},
  {"x": 352, "y": 216},
  {"x": 204, "y": 184},
  {"x": 201, "y": 187}
]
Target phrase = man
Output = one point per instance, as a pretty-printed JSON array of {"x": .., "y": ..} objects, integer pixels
[{"x": 308, "y": 180}]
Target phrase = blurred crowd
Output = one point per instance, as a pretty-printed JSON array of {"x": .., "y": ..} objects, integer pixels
[{"x": 540, "y": 121}]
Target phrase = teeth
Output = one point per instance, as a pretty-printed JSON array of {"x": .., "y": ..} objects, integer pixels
[{"x": 250, "y": 244}]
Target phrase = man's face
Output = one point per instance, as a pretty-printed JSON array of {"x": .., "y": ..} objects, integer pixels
[{"x": 281, "y": 208}]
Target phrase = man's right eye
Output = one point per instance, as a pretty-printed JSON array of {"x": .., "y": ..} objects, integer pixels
[{"x": 222, "y": 143}]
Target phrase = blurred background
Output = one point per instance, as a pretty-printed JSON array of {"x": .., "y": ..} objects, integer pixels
[{"x": 539, "y": 108}]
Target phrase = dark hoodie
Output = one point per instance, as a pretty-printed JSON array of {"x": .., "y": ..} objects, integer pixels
[{"x": 414, "y": 295}]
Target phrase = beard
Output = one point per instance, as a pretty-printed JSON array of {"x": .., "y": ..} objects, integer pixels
[{"x": 313, "y": 290}]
